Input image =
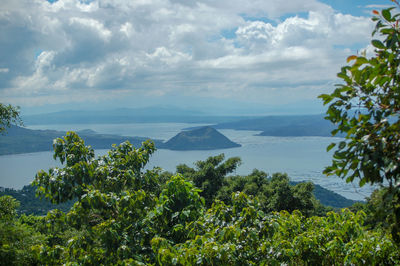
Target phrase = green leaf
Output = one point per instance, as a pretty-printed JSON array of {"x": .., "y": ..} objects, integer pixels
[
  {"x": 378, "y": 44},
  {"x": 330, "y": 146},
  {"x": 386, "y": 14},
  {"x": 342, "y": 145}
]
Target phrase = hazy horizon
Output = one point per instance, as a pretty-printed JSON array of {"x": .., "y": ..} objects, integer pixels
[{"x": 224, "y": 57}]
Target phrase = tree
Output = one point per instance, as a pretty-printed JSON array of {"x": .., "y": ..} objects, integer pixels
[
  {"x": 209, "y": 175},
  {"x": 16, "y": 239},
  {"x": 367, "y": 109},
  {"x": 274, "y": 193},
  {"x": 126, "y": 216},
  {"x": 9, "y": 115}
]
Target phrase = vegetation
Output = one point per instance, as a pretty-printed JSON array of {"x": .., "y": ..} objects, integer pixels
[
  {"x": 9, "y": 115},
  {"x": 367, "y": 109},
  {"x": 30, "y": 204},
  {"x": 16, "y": 238},
  {"x": 23, "y": 140},
  {"x": 126, "y": 216}
]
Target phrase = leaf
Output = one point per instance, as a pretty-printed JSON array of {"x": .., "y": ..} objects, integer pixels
[
  {"x": 350, "y": 58},
  {"x": 386, "y": 14},
  {"x": 342, "y": 145},
  {"x": 330, "y": 146},
  {"x": 375, "y": 12},
  {"x": 378, "y": 44},
  {"x": 392, "y": 42},
  {"x": 362, "y": 60}
]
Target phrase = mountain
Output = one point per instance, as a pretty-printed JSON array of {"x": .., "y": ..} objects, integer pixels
[
  {"x": 125, "y": 115},
  {"x": 204, "y": 138},
  {"x": 283, "y": 126},
  {"x": 23, "y": 140},
  {"x": 330, "y": 198}
]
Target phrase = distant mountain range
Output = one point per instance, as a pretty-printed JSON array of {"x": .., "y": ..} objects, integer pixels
[
  {"x": 126, "y": 115},
  {"x": 23, "y": 140},
  {"x": 283, "y": 126}
]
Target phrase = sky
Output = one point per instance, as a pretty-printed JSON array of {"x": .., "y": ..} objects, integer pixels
[{"x": 223, "y": 57}]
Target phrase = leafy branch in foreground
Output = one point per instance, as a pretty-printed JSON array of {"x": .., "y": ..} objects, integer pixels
[
  {"x": 366, "y": 108},
  {"x": 9, "y": 115}
]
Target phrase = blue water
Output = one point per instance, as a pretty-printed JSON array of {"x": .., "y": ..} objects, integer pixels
[{"x": 302, "y": 158}]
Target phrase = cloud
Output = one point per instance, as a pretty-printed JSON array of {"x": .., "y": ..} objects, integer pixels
[
  {"x": 92, "y": 25},
  {"x": 110, "y": 49}
]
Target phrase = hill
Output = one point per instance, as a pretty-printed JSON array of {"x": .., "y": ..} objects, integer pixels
[
  {"x": 23, "y": 140},
  {"x": 204, "y": 138},
  {"x": 284, "y": 126},
  {"x": 329, "y": 198},
  {"x": 126, "y": 115}
]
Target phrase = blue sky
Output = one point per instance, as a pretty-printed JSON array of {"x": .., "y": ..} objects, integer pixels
[{"x": 226, "y": 57}]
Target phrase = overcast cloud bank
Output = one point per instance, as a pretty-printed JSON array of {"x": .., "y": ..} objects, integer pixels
[{"x": 108, "y": 50}]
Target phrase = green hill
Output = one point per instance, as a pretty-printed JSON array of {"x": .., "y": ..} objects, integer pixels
[
  {"x": 284, "y": 126},
  {"x": 23, "y": 140},
  {"x": 204, "y": 138}
]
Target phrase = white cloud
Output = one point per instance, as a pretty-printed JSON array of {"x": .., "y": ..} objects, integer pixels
[
  {"x": 256, "y": 50},
  {"x": 94, "y": 25}
]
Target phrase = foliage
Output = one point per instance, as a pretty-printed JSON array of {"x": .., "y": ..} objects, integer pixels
[
  {"x": 274, "y": 193},
  {"x": 8, "y": 208},
  {"x": 24, "y": 140},
  {"x": 30, "y": 204},
  {"x": 241, "y": 234},
  {"x": 126, "y": 216},
  {"x": 178, "y": 204},
  {"x": 209, "y": 174},
  {"x": 367, "y": 109},
  {"x": 9, "y": 115},
  {"x": 16, "y": 239},
  {"x": 330, "y": 198},
  {"x": 117, "y": 171}
]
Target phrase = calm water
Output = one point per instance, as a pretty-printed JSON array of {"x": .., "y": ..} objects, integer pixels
[{"x": 302, "y": 158}]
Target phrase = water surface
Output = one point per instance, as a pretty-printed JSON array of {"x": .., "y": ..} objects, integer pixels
[{"x": 302, "y": 158}]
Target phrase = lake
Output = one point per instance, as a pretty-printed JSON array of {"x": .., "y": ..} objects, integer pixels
[{"x": 302, "y": 158}]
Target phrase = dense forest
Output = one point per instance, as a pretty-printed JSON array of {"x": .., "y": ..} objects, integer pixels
[
  {"x": 30, "y": 204},
  {"x": 122, "y": 214}
]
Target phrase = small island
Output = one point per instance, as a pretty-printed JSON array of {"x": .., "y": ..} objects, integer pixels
[{"x": 204, "y": 138}]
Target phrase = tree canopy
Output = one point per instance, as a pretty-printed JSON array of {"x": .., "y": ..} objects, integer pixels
[
  {"x": 366, "y": 108},
  {"x": 125, "y": 215},
  {"x": 9, "y": 115}
]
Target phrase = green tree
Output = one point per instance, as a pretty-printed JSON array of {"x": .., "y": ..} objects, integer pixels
[
  {"x": 274, "y": 193},
  {"x": 366, "y": 108},
  {"x": 9, "y": 115},
  {"x": 209, "y": 175},
  {"x": 126, "y": 216},
  {"x": 16, "y": 239}
]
